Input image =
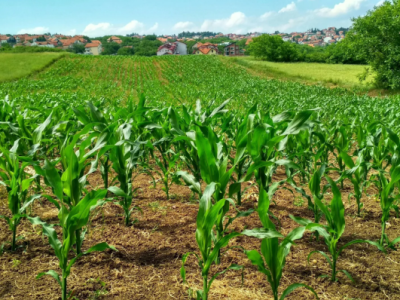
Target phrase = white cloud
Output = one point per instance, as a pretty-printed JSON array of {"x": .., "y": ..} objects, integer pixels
[
  {"x": 183, "y": 26},
  {"x": 288, "y": 8},
  {"x": 153, "y": 28},
  {"x": 234, "y": 22},
  {"x": 71, "y": 32},
  {"x": 380, "y": 2},
  {"x": 340, "y": 9},
  {"x": 132, "y": 26},
  {"x": 96, "y": 29},
  {"x": 36, "y": 30},
  {"x": 108, "y": 28},
  {"x": 267, "y": 15}
]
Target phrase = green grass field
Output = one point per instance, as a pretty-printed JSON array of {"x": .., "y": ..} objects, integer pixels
[
  {"x": 17, "y": 65},
  {"x": 338, "y": 75}
]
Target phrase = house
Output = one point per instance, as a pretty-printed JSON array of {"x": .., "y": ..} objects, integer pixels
[
  {"x": 66, "y": 44},
  {"x": 205, "y": 49},
  {"x": 176, "y": 48},
  {"x": 162, "y": 40},
  {"x": 114, "y": 39},
  {"x": 328, "y": 39},
  {"x": 248, "y": 41},
  {"x": 93, "y": 48},
  {"x": 3, "y": 39},
  {"x": 287, "y": 39},
  {"x": 42, "y": 44},
  {"x": 232, "y": 50}
]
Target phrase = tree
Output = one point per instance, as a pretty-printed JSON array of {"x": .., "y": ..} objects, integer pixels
[
  {"x": 87, "y": 39},
  {"x": 110, "y": 48},
  {"x": 150, "y": 37},
  {"x": 376, "y": 38},
  {"x": 127, "y": 50},
  {"x": 5, "y": 47},
  {"x": 273, "y": 48},
  {"x": 77, "y": 48},
  {"x": 41, "y": 39}
]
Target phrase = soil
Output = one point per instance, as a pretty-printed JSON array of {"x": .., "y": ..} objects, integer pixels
[{"x": 147, "y": 264}]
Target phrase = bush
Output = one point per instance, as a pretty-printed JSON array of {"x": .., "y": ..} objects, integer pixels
[
  {"x": 126, "y": 51},
  {"x": 23, "y": 49},
  {"x": 273, "y": 48}
]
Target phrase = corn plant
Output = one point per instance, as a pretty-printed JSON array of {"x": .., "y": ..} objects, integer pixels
[
  {"x": 356, "y": 175},
  {"x": 71, "y": 221},
  {"x": 386, "y": 200},
  {"x": 274, "y": 253},
  {"x": 164, "y": 144},
  {"x": 332, "y": 232},
  {"x": 125, "y": 156},
  {"x": 17, "y": 183},
  {"x": 206, "y": 218}
]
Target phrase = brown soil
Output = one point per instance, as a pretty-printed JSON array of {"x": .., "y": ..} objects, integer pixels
[{"x": 149, "y": 258}]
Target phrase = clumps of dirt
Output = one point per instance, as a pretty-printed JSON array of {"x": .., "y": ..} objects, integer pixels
[{"x": 147, "y": 264}]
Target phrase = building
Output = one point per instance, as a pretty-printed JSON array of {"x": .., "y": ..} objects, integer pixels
[
  {"x": 232, "y": 50},
  {"x": 162, "y": 40},
  {"x": 93, "y": 48},
  {"x": 114, "y": 39},
  {"x": 205, "y": 49},
  {"x": 3, "y": 39},
  {"x": 43, "y": 44},
  {"x": 175, "y": 48}
]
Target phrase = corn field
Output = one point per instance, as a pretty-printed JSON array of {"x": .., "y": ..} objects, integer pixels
[{"x": 250, "y": 184}]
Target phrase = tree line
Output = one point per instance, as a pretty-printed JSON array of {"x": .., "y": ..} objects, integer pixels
[{"x": 373, "y": 39}]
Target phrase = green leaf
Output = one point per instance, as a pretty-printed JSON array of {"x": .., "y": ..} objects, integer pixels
[
  {"x": 51, "y": 273},
  {"x": 117, "y": 191},
  {"x": 294, "y": 286},
  {"x": 190, "y": 180},
  {"x": 337, "y": 210},
  {"x": 52, "y": 235},
  {"x": 262, "y": 233},
  {"x": 323, "y": 254},
  {"x": 297, "y": 123},
  {"x": 348, "y": 275},
  {"x": 376, "y": 244},
  {"x": 100, "y": 247},
  {"x": 54, "y": 179}
]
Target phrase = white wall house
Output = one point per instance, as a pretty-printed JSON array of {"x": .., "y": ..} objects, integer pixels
[{"x": 176, "y": 48}]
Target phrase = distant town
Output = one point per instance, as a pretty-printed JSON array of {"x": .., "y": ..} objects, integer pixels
[{"x": 199, "y": 43}]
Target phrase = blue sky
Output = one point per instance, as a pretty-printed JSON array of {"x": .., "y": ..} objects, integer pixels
[{"x": 101, "y": 17}]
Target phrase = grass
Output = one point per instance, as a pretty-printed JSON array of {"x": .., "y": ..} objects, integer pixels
[
  {"x": 314, "y": 73},
  {"x": 17, "y": 65}
]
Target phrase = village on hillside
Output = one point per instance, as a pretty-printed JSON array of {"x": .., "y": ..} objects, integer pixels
[{"x": 182, "y": 44}]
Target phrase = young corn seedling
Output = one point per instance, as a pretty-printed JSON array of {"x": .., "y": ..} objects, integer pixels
[
  {"x": 333, "y": 231},
  {"x": 356, "y": 175},
  {"x": 214, "y": 168},
  {"x": 274, "y": 253},
  {"x": 386, "y": 200},
  {"x": 125, "y": 156},
  {"x": 71, "y": 221},
  {"x": 206, "y": 218},
  {"x": 164, "y": 144},
  {"x": 17, "y": 184}
]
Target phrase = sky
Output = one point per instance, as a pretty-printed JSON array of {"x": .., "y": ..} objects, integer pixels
[{"x": 121, "y": 17}]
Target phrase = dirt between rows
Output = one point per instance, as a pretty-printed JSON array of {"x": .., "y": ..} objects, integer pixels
[{"x": 147, "y": 264}]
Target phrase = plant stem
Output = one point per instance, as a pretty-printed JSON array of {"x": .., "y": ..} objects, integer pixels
[
  {"x": 383, "y": 233},
  {"x": 333, "y": 278},
  {"x": 13, "y": 243},
  {"x": 78, "y": 241},
  {"x": 64, "y": 287},
  {"x": 205, "y": 288}
]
